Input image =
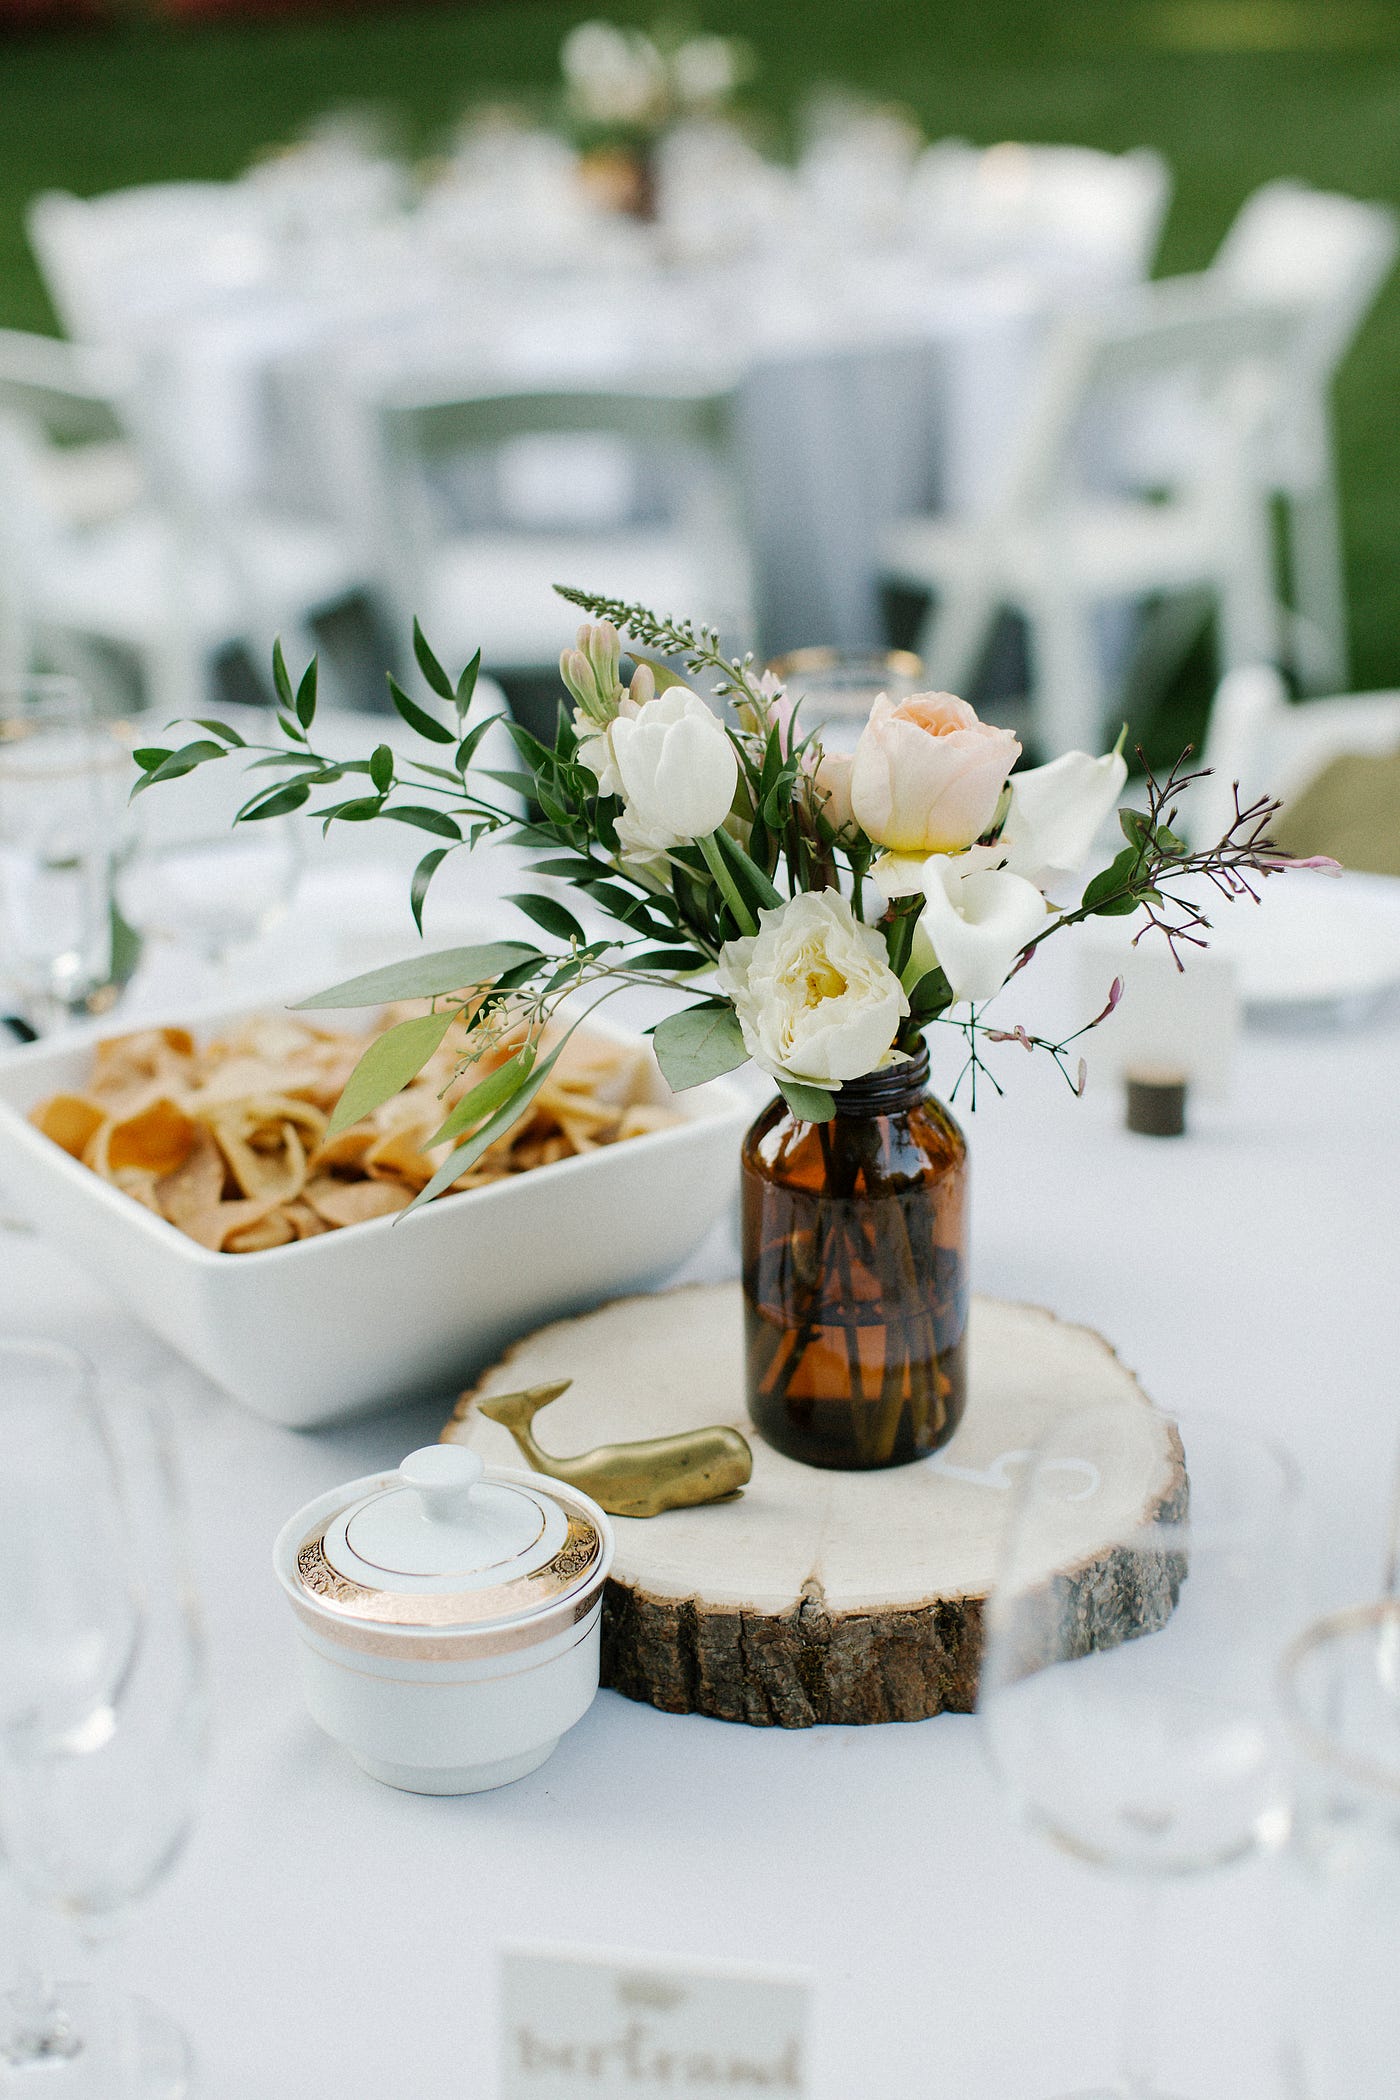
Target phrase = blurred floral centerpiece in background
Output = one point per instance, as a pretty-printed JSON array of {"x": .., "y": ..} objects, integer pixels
[
  {"x": 624, "y": 90},
  {"x": 825, "y": 911}
]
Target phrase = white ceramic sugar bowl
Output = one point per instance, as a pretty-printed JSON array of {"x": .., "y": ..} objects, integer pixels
[{"x": 448, "y": 1617}]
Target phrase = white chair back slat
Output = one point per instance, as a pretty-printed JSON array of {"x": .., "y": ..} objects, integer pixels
[
  {"x": 119, "y": 265},
  {"x": 1328, "y": 253},
  {"x": 1232, "y": 354}
]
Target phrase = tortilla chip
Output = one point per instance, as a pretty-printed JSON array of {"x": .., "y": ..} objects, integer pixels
[
  {"x": 157, "y": 1138},
  {"x": 197, "y": 1185},
  {"x": 275, "y": 1230},
  {"x": 71, "y": 1120},
  {"x": 229, "y": 1143},
  {"x": 262, "y": 1141},
  {"x": 353, "y": 1202},
  {"x": 152, "y": 1056},
  {"x": 139, "y": 1183}
]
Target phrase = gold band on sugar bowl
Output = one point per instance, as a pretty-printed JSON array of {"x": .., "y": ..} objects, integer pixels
[{"x": 461, "y": 1609}]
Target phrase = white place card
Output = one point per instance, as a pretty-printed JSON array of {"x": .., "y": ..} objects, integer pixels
[{"x": 584, "y": 2025}]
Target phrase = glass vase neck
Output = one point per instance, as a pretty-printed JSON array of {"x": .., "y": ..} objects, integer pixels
[{"x": 887, "y": 1092}]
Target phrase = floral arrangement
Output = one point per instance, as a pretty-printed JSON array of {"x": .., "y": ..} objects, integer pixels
[
  {"x": 623, "y": 83},
  {"x": 826, "y": 908}
]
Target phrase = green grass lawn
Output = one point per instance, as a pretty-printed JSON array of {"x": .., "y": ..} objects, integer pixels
[{"x": 1231, "y": 91}]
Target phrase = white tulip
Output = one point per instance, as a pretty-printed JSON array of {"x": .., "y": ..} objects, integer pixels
[
  {"x": 1056, "y": 811},
  {"x": 813, "y": 990},
  {"x": 676, "y": 772},
  {"x": 977, "y": 918}
]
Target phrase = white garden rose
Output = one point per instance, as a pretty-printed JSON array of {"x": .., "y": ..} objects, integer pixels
[
  {"x": 1056, "y": 811},
  {"x": 814, "y": 993},
  {"x": 676, "y": 772},
  {"x": 976, "y": 919}
]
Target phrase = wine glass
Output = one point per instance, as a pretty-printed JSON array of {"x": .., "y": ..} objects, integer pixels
[
  {"x": 193, "y": 877},
  {"x": 1143, "y": 1597},
  {"x": 101, "y": 1708},
  {"x": 63, "y": 777},
  {"x": 838, "y": 687},
  {"x": 1341, "y": 1699}
]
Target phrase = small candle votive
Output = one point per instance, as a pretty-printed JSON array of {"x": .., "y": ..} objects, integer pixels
[{"x": 1156, "y": 1101}]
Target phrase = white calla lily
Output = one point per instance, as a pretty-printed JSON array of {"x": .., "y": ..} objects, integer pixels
[
  {"x": 977, "y": 918},
  {"x": 1055, "y": 812}
]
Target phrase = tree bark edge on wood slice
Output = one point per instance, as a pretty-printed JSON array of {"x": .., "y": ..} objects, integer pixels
[{"x": 822, "y": 1652}]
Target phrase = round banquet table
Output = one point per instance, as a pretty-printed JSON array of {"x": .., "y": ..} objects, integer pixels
[{"x": 324, "y": 1935}]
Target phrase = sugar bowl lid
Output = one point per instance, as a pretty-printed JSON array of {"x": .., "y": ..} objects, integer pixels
[{"x": 443, "y": 1544}]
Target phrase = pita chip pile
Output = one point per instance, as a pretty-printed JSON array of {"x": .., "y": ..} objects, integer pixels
[{"x": 228, "y": 1142}]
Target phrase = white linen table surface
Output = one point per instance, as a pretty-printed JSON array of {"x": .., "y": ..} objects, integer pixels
[{"x": 325, "y": 1936}]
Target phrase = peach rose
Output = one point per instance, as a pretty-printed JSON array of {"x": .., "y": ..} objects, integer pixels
[{"x": 928, "y": 775}]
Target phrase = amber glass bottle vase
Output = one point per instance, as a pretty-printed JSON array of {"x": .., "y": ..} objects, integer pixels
[{"x": 855, "y": 1274}]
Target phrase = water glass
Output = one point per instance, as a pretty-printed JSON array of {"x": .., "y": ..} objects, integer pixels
[
  {"x": 1341, "y": 1696},
  {"x": 102, "y": 1711},
  {"x": 63, "y": 781},
  {"x": 194, "y": 878},
  {"x": 1126, "y": 1692}
]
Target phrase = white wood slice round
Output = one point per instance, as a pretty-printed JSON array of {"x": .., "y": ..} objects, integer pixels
[{"x": 815, "y": 1595}]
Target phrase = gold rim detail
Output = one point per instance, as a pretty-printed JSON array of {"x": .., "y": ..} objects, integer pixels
[{"x": 352, "y": 1600}]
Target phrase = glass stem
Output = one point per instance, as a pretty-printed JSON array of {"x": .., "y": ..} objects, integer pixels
[
  {"x": 1142, "y": 1991},
  {"x": 37, "y": 2030}
]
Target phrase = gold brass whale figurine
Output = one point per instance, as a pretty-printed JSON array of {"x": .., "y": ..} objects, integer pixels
[{"x": 629, "y": 1480}]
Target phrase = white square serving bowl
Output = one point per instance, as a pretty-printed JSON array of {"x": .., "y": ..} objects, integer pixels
[{"x": 397, "y": 1308}]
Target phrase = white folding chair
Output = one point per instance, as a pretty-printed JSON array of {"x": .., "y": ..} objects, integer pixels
[
  {"x": 1331, "y": 254},
  {"x": 1271, "y": 744},
  {"x": 1101, "y": 213},
  {"x": 1057, "y": 550},
  {"x": 118, "y": 265},
  {"x": 157, "y": 580},
  {"x": 482, "y": 502}
]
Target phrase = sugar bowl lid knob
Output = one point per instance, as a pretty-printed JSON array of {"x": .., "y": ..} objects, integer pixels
[{"x": 443, "y": 1477}]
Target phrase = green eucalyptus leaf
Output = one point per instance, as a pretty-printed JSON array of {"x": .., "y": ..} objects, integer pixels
[
  {"x": 280, "y": 676},
  {"x": 466, "y": 684},
  {"x": 1135, "y": 826},
  {"x": 466, "y": 751},
  {"x": 425, "y": 976},
  {"x": 381, "y": 768},
  {"x": 361, "y": 811},
  {"x": 280, "y": 803},
  {"x": 418, "y": 718},
  {"x": 810, "y": 1104},
  {"x": 428, "y": 664},
  {"x": 701, "y": 1043},
  {"x": 180, "y": 762},
  {"x": 669, "y": 959},
  {"x": 422, "y": 877},
  {"x": 149, "y": 756},
  {"x": 487, "y": 1095},
  {"x": 423, "y": 819},
  {"x": 230, "y": 736},
  {"x": 550, "y": 915},
  {"x": 495, "y": 1126},
  {"x": 386, "y": 1068},
  {"x": 306, "y": 695}
]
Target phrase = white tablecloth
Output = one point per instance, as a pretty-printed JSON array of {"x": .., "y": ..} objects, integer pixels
[{"x": 325, "y": 1936}]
